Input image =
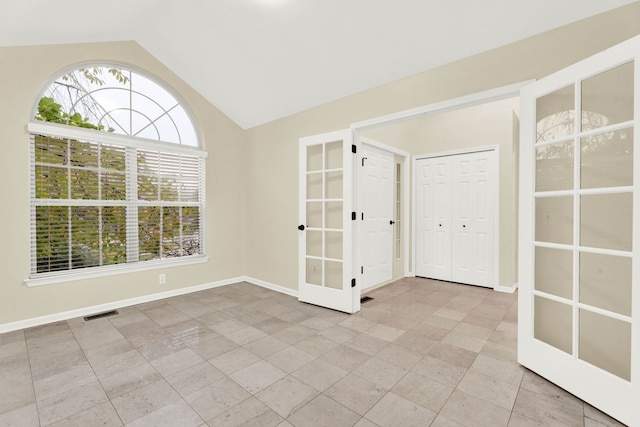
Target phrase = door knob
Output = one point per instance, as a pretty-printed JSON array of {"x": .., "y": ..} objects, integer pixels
[
  {"x": 464, "y": 226},
  {"x": 301, "y": 227},
  {"x": 392, "y": 222}
]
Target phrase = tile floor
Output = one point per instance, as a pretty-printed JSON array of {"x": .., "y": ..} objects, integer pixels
[{"x": 422, "y": 353}]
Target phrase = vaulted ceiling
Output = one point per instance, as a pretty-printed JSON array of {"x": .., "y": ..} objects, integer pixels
[{"x": 260, "y": 60}]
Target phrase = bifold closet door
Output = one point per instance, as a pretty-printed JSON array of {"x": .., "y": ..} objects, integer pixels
[{"x": 455, "y": 206}]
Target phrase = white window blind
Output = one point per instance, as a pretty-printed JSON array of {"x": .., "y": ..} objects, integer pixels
[{"x": 104, "y": 200}]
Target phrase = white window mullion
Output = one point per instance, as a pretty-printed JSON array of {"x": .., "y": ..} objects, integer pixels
[
  {"x": 70, "y": 236},
  {"x": 100, "y": 231},
  {"x": 68, "y": 167},
  {"x": 180, "y": 181},
  {"x": 130, "y": 130},
  {"x": 161, "y": 231},
  {"x": 159, "y": 177},
  {"x": 100, "y": 227},
  {"x": 133, "y": 251},
  {"x": 32, "y": 196},
  {"x": 180, "y": 175},
  {"x": 201, "y": 199},
  {"x": 99, "y": 171},
  {"x": 181, "y": 238}
]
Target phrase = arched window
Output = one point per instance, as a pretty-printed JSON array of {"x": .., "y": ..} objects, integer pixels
[{"x": 117, "y": 176}]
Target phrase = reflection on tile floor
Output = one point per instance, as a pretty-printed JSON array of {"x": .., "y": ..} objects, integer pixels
[{"x": 422, "y": 353}]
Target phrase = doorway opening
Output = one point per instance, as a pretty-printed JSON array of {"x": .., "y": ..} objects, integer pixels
[{"x": 423, "y": 131}]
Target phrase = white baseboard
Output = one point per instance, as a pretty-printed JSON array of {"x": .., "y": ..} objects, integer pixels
[
  {"x": 507, "y": 289},
  {"x": 272, "y": 286},
  {"x": 86, "y": 311}
]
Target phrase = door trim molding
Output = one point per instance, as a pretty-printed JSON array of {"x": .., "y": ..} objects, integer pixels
[
  {"x": 384, "y": 147},
  {"x": 457, "y": 152},
  {"x": 477, "y": 98},
  {"x": 496, "y": 220}
]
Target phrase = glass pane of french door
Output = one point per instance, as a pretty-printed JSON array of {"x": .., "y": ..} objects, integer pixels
[
  {"x": 584, "y": 219},
  {"x": 325, "y": 213}
]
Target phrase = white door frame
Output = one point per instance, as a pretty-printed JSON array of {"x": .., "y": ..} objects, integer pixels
[
  {"x": 405, "y": 200},
  {"x": 496, "y": 207},
  {"x": 479, "y": 98}
]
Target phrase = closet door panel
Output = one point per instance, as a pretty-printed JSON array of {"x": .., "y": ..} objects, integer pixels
[
  {"x": 472, "y": 213},
  {"x": 433, "y": 218},
  {"x": 441, "y": 205}
]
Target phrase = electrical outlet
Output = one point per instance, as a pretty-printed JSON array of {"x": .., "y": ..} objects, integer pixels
[{"x": 162, "y": 278}]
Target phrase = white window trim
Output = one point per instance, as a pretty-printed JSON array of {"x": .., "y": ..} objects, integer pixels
[
  {"x": 111, "y": 270},
  {"x": 65, "y": 131}
]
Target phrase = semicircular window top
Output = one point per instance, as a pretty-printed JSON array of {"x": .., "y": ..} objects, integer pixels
[
  {"x": 117, "y": 177},
  {"x": 113, "y": 99}
]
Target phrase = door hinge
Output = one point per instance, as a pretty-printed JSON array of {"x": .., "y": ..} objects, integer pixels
[
  {"x": 362, "y": 269},
  {"x": 353, "y": 283},
  {"x": 353, "y": 216},
  {"x": 363, "y": 216},
  {"x": 354, "y": 150}
]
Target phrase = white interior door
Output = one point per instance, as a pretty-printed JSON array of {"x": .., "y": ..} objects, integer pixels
[
  {"x": 473, "y": 206},
  {"x": 376, "y": 200},
  {"x": 433, "y": 218},
  {"x": 326, "y": 225},
  {"x": 579, "y": 298}
]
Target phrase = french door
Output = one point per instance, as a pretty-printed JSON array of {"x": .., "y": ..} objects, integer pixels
[
  {"x": 579, "y": 293},
  {"x": 326, "y": 232}
]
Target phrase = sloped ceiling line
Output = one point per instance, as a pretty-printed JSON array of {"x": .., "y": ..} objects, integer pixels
[{"x": 258, "y": 61}]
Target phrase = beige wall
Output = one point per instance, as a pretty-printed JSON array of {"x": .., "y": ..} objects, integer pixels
[
  {"x": 272, "y": 156},
  {"x": 23, "y": 73},
  {"x": 483, "y": 125},
  {"x": 252, "y": 176}
]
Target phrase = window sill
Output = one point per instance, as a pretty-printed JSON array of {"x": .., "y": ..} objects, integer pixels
[{"x": 112, "y": 270}]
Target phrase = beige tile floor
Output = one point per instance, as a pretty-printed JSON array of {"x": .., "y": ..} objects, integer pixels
[{"x": 422, "y": 353}]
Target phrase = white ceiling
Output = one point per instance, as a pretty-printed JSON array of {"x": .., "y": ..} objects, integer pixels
[{"x": 259, "y": 60}]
